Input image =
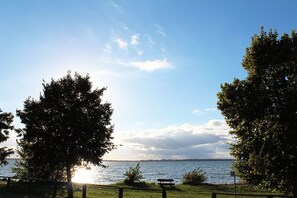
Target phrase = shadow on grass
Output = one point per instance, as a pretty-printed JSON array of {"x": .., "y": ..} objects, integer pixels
[
  {"x": 139, "y": 185},
  {"x": 171, "y": 188},
  {"x": 142, "y": 185},
  {"x": 34, "y": 190}
]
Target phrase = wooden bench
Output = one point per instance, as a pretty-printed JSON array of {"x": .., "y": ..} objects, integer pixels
[
  {"x": 166, "y": 182},
  {"x": 7, "y": 179}
]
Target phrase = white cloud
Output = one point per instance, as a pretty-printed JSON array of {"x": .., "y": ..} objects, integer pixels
[
  {"x": 197, "y": 111},
  {"x": 151, "y": 65},
  {"x": 210, "y": 109},
  {"x": 209, "y": 140},
  {"x": 216, "y": 123},
  {"x": 135, "y": 39},
  {"x": 136, "y": 50},
  {"x": 121, "y": 43},
  {"x": 203, "y": 111}
]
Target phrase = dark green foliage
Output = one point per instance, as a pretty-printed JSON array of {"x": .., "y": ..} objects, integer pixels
[
  {"x": 5, "y": 125},
  {"x": 26, "y": 168},
  {"x": 194, "y": 177},
  {"x": 68, "y": 125},
  {"x": 133, "y": 174},
  {"x": 261, "y": 110}
]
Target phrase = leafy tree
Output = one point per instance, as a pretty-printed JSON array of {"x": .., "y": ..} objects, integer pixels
[
  {"x": 5, "y": 125},
  {"x": 261, "y": 111},
  {"x": 27, "y": 167},
  {"x": 68, "y": 125}
]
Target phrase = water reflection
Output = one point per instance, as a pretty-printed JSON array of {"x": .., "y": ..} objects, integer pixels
[
  {"x": 216, "y": 171},
  {"x": 83, "y": 175}
]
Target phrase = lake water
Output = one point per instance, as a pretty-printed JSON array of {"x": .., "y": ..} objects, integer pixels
[{"x": 217, "y": 171}]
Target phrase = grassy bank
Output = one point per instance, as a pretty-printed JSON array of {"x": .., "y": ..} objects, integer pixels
[{"x": 20, "y": 190}]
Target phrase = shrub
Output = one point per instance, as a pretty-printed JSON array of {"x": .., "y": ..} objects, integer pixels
[
  {"x": 133, "y": 174},
  {"x": 194, "y": 177}
]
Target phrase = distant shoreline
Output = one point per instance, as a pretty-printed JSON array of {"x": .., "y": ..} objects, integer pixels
[
  {"x": 166, "y": 160},
  {"x": 151, "y": 160}
]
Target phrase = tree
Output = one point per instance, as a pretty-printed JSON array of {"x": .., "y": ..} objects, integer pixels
[
  {"x": 261, "y": 111},
  {"x": 5, "y": 125},
  {"x": 28, "y": 168},
  {"x": 68, "y": 125}
]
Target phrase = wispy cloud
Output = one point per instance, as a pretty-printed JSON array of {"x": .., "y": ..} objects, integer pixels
[
  {"x": 151, "y": 65},
  {"x": 208, "y": 140},
  {"x": 114, "y": 5},
  {"x": 123, "y": 44},
  {"x": 135, "y": 39},
  {"x": 159, "y": 30},
  {"x": 197, "y": 111},
  {"x": 203, "y": 111},
  {"x": 126, "y": 28},
  {"x": 138, "y": 50},
  {"x": 150, "y": 39}
]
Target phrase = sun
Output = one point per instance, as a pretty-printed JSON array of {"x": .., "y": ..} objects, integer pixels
[{"x": 83, "y": 175}]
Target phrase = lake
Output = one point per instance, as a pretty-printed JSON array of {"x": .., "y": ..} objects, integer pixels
[{"x": 217, "y": 171}]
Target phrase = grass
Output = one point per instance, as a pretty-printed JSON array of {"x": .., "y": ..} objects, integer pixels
[{"x": 143, "y": 190}]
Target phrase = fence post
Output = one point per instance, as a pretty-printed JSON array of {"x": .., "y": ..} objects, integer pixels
[
  {"x": 8, "y": 182},
  {"x": 55, "y": 189},
  {"x": 121, "y": 192},
  {"x": 164, "y": 193},
  {"x": 84, "y": 191},
  {"x": 30, "y": 186},
  {"x": 213, "y": 195}
]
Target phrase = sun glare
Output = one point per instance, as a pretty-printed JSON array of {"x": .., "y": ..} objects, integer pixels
[{"x": 83, "y": 175}]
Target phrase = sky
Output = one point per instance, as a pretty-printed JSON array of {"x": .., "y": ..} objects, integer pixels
[{"x": 162, "y": 62}]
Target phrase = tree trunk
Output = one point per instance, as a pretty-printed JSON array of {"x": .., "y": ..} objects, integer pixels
[
  {"x": 294, "y": 193},
  {"x": 69, "y": 182},
  {"x": 294, "y": 184}
]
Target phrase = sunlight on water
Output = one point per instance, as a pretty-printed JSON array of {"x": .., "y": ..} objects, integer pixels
[
  {"x": 83, "y": 175},
  {"x": 216, "y": 171}
]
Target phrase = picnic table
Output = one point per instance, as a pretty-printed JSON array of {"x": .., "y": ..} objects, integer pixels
[{"x": 166, "y": 182}]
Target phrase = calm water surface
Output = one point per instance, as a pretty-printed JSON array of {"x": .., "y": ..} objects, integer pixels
[{"x": 216, "y": 171}]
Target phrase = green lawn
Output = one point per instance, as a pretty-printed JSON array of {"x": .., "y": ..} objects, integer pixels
[{"x": 20, "y": 190}]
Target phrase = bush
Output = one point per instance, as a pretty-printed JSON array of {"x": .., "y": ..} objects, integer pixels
[
  {"x": 133, "y": 174},
  {"x": 194, "y": 177}
]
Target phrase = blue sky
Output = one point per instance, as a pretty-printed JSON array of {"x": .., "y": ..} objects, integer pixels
[{"x": 162, "y": 61}]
